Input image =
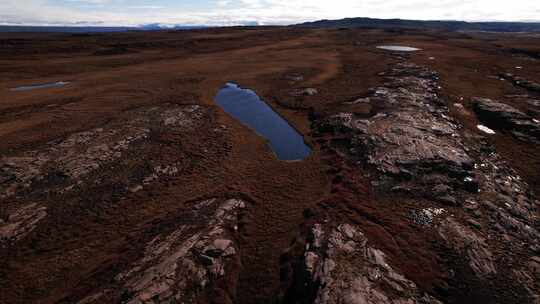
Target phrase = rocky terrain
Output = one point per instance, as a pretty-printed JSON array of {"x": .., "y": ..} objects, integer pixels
[
  {"x": 128, "y": 184},
  {"x": 180, "y": 265},
  {"x": 415, "y": 149},
  {"x": 501, "y": 115}
]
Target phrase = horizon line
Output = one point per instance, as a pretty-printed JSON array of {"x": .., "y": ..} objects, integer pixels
[{"x": 240, "y": 23}]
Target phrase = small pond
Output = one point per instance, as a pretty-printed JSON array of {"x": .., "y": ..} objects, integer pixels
[
  {"x": 398, "y": 48},
  {"x": 247, "y": 107},
  {"x": 40, "y": 86}
]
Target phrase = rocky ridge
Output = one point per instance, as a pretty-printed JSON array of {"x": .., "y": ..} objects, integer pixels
[
  {"x": 185, "y": 264},
  {"x": 126, "y": 152},
  {"x": 21, "y": 222},
  {"x": 522, "y": 82},
  {"x": 414, "y": 139},
  {"x": 349, "y": 270},
  {"x": 502, "y": 116},
  {"x": 481, "y": 208}
]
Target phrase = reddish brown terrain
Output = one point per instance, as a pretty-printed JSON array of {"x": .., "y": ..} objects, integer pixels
[{"x": 130, "y": 185}]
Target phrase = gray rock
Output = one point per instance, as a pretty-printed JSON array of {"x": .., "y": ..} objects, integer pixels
[
  {"x": 522, "y": 82},
  {"x": 310, "y": 91},
  {"x": 21, "y": 222},
  {"x": 502, "y": 116},
  {"x": 469, "y": 243},
  {"x": 448, "y": 200},
  {"x": 77, "y": 156},
  {"x": 295, "y": 77},
  {"x": 349, "y": 270},
  {"x": 474, "y": 224},
  {"x": 175, "y": 266},
  {"x": 415, "y": 140}
]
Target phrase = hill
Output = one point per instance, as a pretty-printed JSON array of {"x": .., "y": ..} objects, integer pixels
[{"x": 419, "y": 24}]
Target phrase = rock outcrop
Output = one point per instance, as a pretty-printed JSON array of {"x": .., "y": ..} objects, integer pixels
[
  {"x": 469, "y": 244},
  {"x": 21, "y": 222},
  {"x": 343, "y": 267},
  {"x": 414, "y": 138},
  {"x": 66, "y": 163},
  {"x": 502, "y": 116},
  {"x": 480, "y": 209},
  {"x": 185, "y": 264},
  {"x": 521, "y": 82}
]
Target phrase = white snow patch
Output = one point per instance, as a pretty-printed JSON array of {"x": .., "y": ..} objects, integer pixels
[{"x": 485, "y": 129}]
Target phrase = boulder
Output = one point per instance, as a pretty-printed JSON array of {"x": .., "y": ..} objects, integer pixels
[
  {"x": 521, "y": 82},
  {"x": 499, "y": 115}
]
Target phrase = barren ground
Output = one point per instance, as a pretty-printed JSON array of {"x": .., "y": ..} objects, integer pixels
[{"x": 121, "y": 155}]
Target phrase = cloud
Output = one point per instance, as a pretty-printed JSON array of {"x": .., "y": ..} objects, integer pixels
[
  {"x": 230, "y": 12},
  {"x": 146, "y": 7}
]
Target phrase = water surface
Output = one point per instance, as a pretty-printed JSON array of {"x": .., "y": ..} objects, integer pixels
[
  {"x": 247, "y": 107},
  {"x": 40, "y": 86},
  {"x": 398, "y": 48}
]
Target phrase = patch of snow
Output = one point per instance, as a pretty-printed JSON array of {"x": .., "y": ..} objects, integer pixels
[
  {"x": 398, "y": 48},
  {"x": 485, "y": 129}
]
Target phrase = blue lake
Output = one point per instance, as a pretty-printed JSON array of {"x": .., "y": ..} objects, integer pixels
[
  {"x": 247, "y": 107},
  {"x": 40, "y": 86}
]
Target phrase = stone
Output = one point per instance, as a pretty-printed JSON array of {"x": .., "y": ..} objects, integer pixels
[
  {"x": 411, "y": 140},
  {"x": 474, "y": 223},
  {"x": 73, "y": 159},
  {"x": 175, "y": 266},
  {"x": 222, "y": 244},
  {"x": 295, "y": 77},
  {"x": 346, "y": 269},
  {"x": 310, "y": 91},
  {"x": 415, "y": 147},
  {"x": 441, "y": 190},
  {"x": 448, "y": 200},
  {"x": 520, "y": 81},
  {"x": 426, "y": 217},
  {"x": 21, "y": 222},
  {"x": 469, "y": 243},
  {"x": 503, "y": 116}
]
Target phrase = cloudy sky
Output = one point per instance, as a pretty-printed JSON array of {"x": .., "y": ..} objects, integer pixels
[{"x": 230, "y": 12}]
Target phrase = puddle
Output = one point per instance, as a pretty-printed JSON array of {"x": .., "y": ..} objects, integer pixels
[
  {"x": 398, "y": 48},
  {"x": 485, "y": 129},
  {"x": 40, "y": 86},
  {"x": 247, "y": 107}
]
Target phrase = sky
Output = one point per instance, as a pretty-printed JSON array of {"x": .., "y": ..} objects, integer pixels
[{"x": 264, "y": 12}]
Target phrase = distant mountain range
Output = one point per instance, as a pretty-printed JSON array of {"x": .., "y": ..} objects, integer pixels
[
  {"x": 161, "y": 26},
  {"x": 95, "y": 29},
  {"x": 341, "y": 23},
  {"x": 62, "y": 29},
  {"x": 418, "y": 24}
]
